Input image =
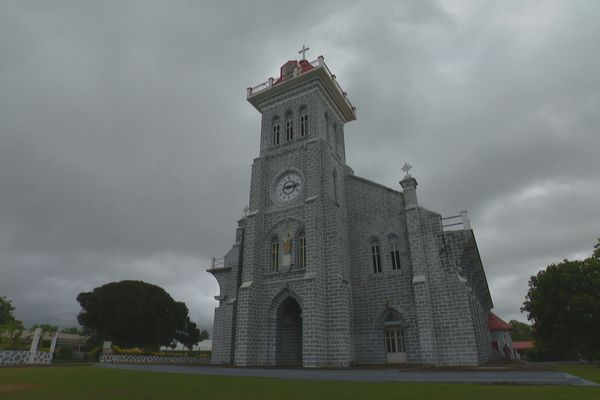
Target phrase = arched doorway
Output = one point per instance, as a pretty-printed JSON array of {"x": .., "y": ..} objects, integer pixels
[{"x": 288, "y": 349}]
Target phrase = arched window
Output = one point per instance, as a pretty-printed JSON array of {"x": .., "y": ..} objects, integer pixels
[
  {"x": 302, "y": 250},
  {"x": 276, "y": 132},
  {"x": 289, "y": 127},
  {"x": 375, "y": 256},
  {"x": 303, "y": 122},
  {"x": 394, "y": 339},
  {"x": 394, "y": 247},
  {"x": 275, "y": 254}
]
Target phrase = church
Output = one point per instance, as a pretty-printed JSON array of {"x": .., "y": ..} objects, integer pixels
[{"x": 329, "y": 269}]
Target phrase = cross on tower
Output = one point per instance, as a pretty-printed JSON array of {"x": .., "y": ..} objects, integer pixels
[
  {"x": 303, "y": 51},
  {"x": 406, "y": 168}
]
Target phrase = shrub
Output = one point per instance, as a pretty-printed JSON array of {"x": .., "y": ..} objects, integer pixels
[
  {"x": 94, "y": 354},
  {"x": 64, "y": 353},
  {"x": 136, "y": 351}
]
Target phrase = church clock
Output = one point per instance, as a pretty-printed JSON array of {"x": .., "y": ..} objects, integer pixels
[{"x": 287, "y": 187}]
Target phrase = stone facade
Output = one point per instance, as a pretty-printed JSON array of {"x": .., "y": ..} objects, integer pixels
[
  {"x": 330, "y": 269},
  {"x": 14, "y": 357}
]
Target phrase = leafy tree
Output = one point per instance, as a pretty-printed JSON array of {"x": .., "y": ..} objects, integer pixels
[
  {"x": 203, "y": 335},
  {"x": 563, "y": 302},
  {"x": 6, "y": 311},
  {"x": 133, "y": 314},
  {"x": 596, "y": 253},
  {"x": 189, "y": 335},
  {"x": 73, "y": 330},
  {"x": 521, "y": 331},
  {"x": 10, "y": 327}
]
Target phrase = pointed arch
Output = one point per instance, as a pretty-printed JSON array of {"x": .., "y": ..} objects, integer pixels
[{"x": 283, "y": 294}]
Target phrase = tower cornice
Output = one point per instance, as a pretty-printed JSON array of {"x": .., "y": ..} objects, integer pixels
[{"x": 302, "y": 73}]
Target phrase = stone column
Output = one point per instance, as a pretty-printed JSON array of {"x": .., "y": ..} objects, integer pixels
[
  {"x": 419, "y": 260},
  {"x": 107, "y": 347}
]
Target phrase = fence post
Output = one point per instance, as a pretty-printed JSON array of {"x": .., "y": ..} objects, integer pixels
[
  {"x": 34, "y": 345},
  {"x": 54, "y": 341}
]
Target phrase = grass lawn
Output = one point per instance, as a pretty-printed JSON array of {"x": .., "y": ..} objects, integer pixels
[
  {"x": 88, "y": 382},
  {"x": 589, "y": 372}
]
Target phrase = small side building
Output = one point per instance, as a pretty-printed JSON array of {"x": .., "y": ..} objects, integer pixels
[{"x": 500, "y": 333}]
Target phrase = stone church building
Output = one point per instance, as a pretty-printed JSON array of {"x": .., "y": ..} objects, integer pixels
[{"x": 329, "y": 269}]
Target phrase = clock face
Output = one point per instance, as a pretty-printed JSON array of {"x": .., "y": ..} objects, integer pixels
[{"x": 288, "y": 187}]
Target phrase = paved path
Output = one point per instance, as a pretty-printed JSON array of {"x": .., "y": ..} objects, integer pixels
[{"x": 373, "y": 375}]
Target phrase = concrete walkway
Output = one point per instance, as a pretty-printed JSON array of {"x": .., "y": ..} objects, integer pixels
[{"x": 373, "y": 375}]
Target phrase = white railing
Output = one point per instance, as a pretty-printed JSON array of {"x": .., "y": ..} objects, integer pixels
[
  {"x": 217, "y": 263},
  {"x": 456, "y": 222},
  {"x": 318, "y": 63}
]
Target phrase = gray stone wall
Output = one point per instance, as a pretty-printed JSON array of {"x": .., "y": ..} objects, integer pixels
[
  {"x": 375, "y": 212},
  {"x": 319, "y": 212},
  {"x": 443, "y": 317},
  {"x": 13, "y": 357},
  {"x": 224, "y": 320},
  {"x": 438, "y": 294}
]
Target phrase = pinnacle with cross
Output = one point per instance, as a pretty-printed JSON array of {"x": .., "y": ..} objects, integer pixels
[
  {"x": 303, "y": 51},
  {"x": 406, "y": 168}
]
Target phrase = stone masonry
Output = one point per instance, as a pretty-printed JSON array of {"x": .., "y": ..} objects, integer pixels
[{"x": 329, "y": 269}]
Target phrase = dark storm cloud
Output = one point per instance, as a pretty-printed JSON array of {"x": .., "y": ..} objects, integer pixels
[{"x": 126, "y": 140}]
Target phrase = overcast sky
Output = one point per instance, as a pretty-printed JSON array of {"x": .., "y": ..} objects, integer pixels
[{"x": 126, "y": 139}]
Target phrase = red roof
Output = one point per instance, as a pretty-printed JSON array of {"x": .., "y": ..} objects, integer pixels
[
  {"x": 523, "y": 345},
  {"x": 496, "y": 324},
  {"x": 302, "y": 65}
]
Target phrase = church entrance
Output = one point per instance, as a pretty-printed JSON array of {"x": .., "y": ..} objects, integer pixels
[
  {"x": 394, "y": 345},
  {"x": 288, "y": 350}
]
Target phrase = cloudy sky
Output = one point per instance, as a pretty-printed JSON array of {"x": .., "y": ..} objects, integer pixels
[{"x": 126, "y": 139}]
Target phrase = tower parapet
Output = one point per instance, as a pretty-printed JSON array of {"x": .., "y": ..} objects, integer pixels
[{"x": 295, "y": 73}]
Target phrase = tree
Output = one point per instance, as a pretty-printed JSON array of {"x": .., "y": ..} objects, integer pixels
[
  {"x": 10, "y": 327},
  {"x": 596, "y": 253},
  {"x": 72, "y": 330},
  {"x": 203, "y": 335},
  {"x": 8, "y": 322},
  {"x": 189, "y": 335},
  {"x": 563, "y": 302},
  {"x": 521, "y": 331},
  {"x": 6, "y": 311},
  {"x": 133, "y": 314}
]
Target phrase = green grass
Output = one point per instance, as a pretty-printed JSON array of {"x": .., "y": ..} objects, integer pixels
[
  {"x": 80, "y": 382},
  {"x": 589, "y": 372}
]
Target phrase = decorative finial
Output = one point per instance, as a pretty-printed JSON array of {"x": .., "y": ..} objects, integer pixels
[
  {"x": 303, "y": 51},
  {"x": 406, "y": 168},
  {"x": 245, "y": 210}
]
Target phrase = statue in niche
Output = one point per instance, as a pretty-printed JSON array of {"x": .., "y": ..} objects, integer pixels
[{"x": 287, "y": 250}]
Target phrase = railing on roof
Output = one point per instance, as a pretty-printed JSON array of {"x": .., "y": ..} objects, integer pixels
[
  {"x": 318, "y": 63},
  {"x": 456, "y": 222},
  {"x": 217, "y": 263}
]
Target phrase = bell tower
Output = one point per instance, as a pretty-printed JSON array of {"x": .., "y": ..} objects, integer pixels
[{"x": 294, "y": 258}]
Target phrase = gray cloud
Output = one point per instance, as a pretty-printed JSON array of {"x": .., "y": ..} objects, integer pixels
[{"x": 126, "y": 140}]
